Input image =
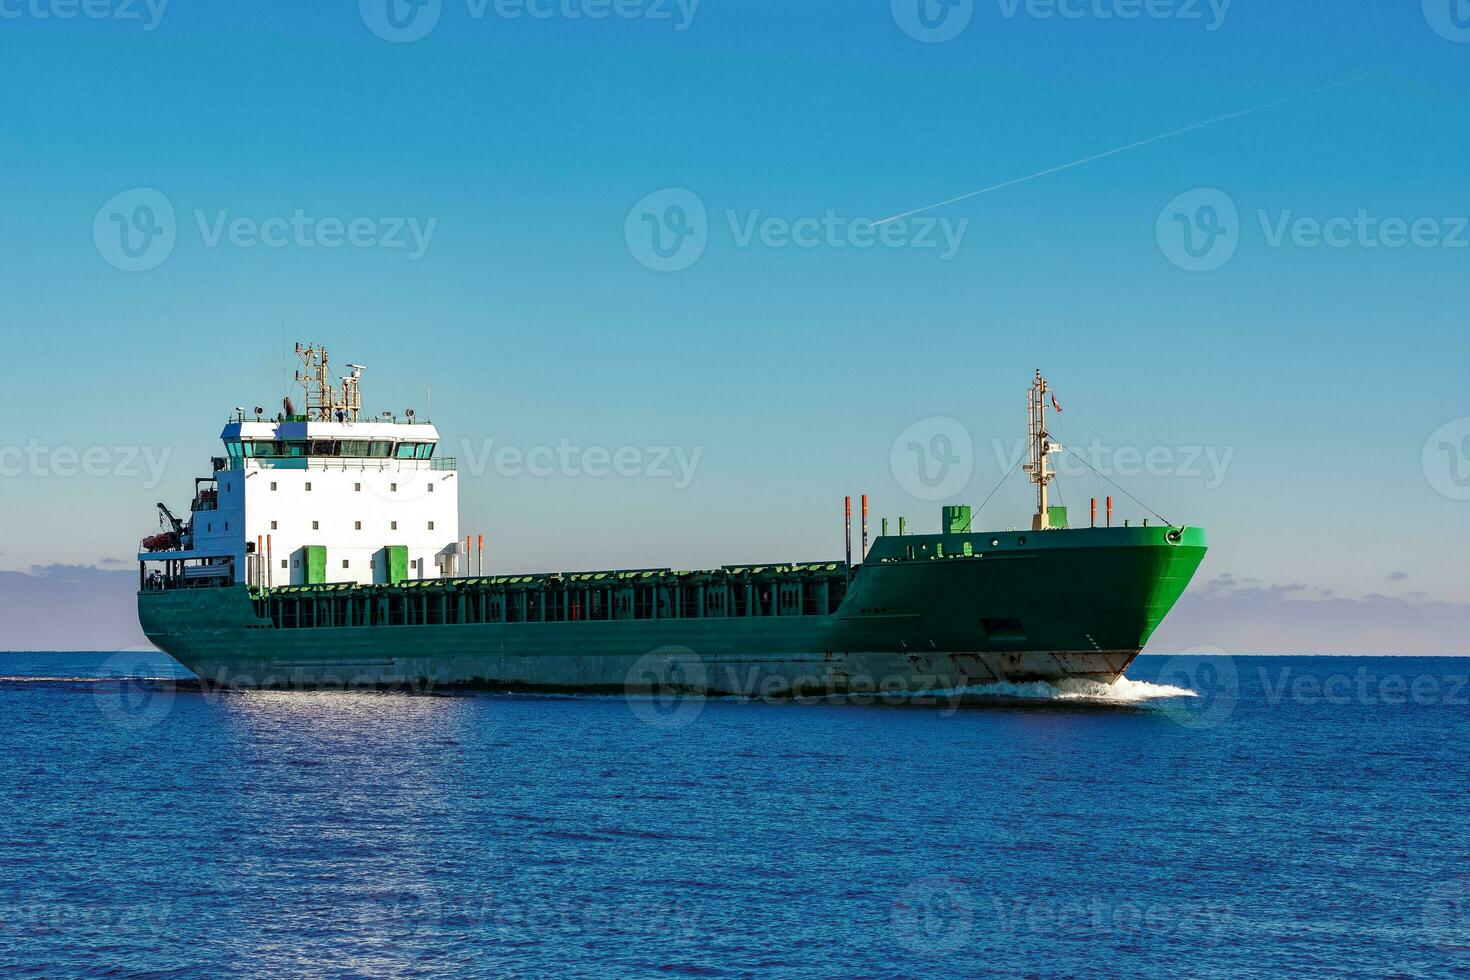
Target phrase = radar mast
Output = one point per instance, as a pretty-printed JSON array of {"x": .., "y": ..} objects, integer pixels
[{"x": 324, "y": 402}]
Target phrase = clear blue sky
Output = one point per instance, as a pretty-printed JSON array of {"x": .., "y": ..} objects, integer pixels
[{"x": 527, "y": 141}]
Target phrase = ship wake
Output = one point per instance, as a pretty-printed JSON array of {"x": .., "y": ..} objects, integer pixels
[{"x": 1121, "y": 691}]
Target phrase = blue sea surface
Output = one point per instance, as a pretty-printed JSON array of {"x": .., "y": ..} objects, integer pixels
[{"x": 1210, "y": 816}]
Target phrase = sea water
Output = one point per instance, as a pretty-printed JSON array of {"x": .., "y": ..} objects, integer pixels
[{"x": 1205, "y": 816}]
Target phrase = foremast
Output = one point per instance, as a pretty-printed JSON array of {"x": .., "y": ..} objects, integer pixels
[{"x": 1040, "y": 447}]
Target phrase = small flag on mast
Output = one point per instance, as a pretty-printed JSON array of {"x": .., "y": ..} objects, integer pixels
[{"x": 1056, "y": 404}]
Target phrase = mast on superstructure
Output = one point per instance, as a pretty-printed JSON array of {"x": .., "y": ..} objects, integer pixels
[
  {"x": 1040, "y": 447},
  {"x": 323, "y": 402}
]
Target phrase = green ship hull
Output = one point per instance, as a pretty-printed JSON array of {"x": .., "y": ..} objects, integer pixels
[{"x": 921, "y": 613}]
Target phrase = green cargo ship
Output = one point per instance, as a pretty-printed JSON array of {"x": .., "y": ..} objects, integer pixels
[{"x": 324, "y": 551}]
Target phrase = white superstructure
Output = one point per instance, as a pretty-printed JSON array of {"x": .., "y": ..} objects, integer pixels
[{"x": 321, "y": 497}]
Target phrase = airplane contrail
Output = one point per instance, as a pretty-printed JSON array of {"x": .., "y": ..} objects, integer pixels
[{"x": 1135, "y": 145}]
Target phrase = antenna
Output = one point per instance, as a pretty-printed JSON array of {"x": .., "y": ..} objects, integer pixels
[
  {"x": 1040, "y": 446},
  {"x": 324, "y": 403}
]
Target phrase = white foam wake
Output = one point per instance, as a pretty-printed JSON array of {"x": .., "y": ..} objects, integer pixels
[{"x": 1121, "y": 691}]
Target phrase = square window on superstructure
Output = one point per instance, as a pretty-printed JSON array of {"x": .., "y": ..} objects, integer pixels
[
  {"x": 431, "y": 525},
  {"x": 357, "y": 525},
  {"x": 393, "y": 488},
  {"x": 431, "y": 488},
  {"x": 295, "y": 562},
  {"x": 392, "y": 525},
  {"x": 316, "y": 525},
  {"x": 273, "y": 484},
  {"x": 344, "y": 562},
  {"x": 357, "y": 488},
  {"x": 275, "y": 526},
  {"x": 308, "y": 486},
  {"x": 283, "y": 563}
]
